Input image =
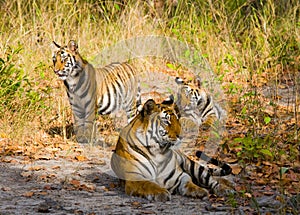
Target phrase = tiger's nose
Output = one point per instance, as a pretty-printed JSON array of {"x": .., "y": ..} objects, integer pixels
[{"x": 179, "y": 137}]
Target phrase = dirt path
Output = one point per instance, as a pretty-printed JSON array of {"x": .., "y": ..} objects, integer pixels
[
  {"x": 63, "y": 186},
  {"x": 66, "y": 186}
]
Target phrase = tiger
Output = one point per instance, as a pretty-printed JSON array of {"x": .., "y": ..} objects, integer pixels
[
  {"x": 94, "y": 91},
  {"x": 196, "y": 104},
  {"x": 149, "y": 163}
]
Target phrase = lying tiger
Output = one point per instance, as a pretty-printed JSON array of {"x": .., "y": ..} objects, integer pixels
[
  {"x": 147, "y": 160},
  {"x": 197, "y": 104}
]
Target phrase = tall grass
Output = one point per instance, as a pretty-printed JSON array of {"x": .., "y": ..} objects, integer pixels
[{"x": 249, "y": 44}]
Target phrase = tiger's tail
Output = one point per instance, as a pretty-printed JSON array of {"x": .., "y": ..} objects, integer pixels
[{"x": 224, "y": 170}]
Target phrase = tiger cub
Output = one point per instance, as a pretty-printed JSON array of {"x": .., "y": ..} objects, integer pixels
[
  {"x": 105, "y": 90},
  {"x": 196, "y": 104},
  {"x": 147, "y": 160}
]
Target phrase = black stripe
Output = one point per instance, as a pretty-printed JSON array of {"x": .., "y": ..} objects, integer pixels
[
  {"x": 80, "y": 115},
  {"x": 89, "y": 102},
  {"x": 226, "y": 169},
  {"x": 67, "y": 85},
  {"x": 206, "y": 106},
  {"x": 201, "y": 169},
  {"x": 206, "y": 179},
  {"x": 169, "y": 176},
  {"x": 192, "y": 169},
  {"x": 80, "y": 82},
  {"x": 84, "y": 94},
  {"x": 104, "y": 107},
  {"x": 178, "y": 181}
]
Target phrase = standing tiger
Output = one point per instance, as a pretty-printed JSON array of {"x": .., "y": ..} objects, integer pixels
[
  {"x": 105, "y": 90},
  {"x": 196, "y": 104},
  {"x": 147, "y": 160}
]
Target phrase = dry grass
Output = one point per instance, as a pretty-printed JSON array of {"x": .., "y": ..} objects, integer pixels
[{"x": 251, "y": 46}]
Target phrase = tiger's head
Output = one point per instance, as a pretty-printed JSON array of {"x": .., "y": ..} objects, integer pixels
[
  {"x": 68, "y": 64},
  {"x": 190, "y": 95},
  {"x": 163, "y": 123},
  {"x": 197, "y": 104}
]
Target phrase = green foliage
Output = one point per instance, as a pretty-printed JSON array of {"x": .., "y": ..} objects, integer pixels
[
  {"x": 254, "y": 148},
  {"x": 10, "y": 81},
  {"x": 17, "y": 94}
]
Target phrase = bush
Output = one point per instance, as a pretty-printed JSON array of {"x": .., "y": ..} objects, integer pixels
[{"x": 17, "y": 96}]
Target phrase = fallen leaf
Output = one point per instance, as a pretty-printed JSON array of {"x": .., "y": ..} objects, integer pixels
[
  {"x": 136, "y": 204},
  {"x": 240, "y": 188},
  {"x": 88, "y": 187},
  {"x": 80, "y": 158},
  {"x": 42, "y": 157},
  {"x": 112, "y": 185},
  {"x": 47, "y": 187},
  {"x": 261, "y": 181},
  {"x": 5, "y": 188},
  {"x": 28, "y": 194},
  {"x": 56, "y": 167},
  {"x": 26, "y": 174},
  {"x": 36, "y": 168},
  {"x": 42, "y": 193},
  {"x": 75, "y": 183},
  {"x": 230, "y": 160},
  {"x": 236, "y": 169},
  {"x": 267, "y": 163},
  {"x": 268, "y": 193},
  {"x": 248, "y": 195}
]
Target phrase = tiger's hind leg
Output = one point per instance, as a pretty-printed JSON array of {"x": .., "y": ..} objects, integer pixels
[
  {"x": 201, "y": 176},
  {"x": 148, "y": 190},
  {"x": 224, "y": 187},
  {"x": 188, "y": 188}
]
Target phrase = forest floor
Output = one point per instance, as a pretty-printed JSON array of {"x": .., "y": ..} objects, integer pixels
[
  {"x": 81, "y": 182},
  {"x": 85, "y": 185}
]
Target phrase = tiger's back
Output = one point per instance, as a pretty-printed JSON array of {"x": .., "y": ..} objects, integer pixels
[{"x": 120, "y": 80}]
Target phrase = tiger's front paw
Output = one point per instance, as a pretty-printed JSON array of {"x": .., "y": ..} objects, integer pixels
[
  {"x": 82, "y": 139},
  {"x": 161, "y": 195}
]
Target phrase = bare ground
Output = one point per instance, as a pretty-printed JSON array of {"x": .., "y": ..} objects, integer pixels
[
  {"x": 67, "y": 186},
  {"x": 63, "y": 186}
]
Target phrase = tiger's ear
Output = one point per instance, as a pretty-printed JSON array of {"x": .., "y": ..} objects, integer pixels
[
  {"x": 169, "y": 100},
  {"x": 72, "y": 46},
  {"x": 54, "y": 46},
  {"x": 149, "y": 108},
  {"x": 198, "y": 81},
  {"x": 179, "y": 81}
]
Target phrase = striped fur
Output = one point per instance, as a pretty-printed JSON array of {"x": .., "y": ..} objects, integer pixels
[
  {"x": 196, "y": 104},
  {"x": 148, "y": 160},
  {"x": 224, "y": 169},
  {"x": 105, "y": 90}
]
